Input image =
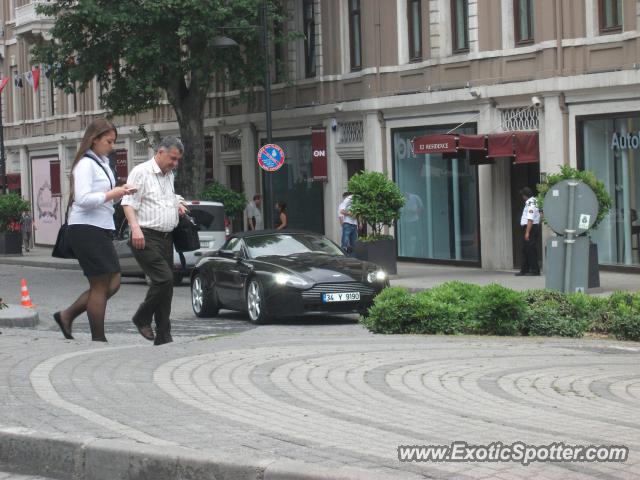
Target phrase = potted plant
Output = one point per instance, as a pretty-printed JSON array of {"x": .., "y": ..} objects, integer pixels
[
  {"x": 11, "y": 207},
  {"x": 604, "y": 205},
  {"x": 377, "y": 201}
]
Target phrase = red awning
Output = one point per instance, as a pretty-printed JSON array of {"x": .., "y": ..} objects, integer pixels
[
  {"x": 526, "y": 147},
  {"x": 471, "y": 142},
  {"x": 500, "y": 145},
  {"x": 434, "y": 144}
]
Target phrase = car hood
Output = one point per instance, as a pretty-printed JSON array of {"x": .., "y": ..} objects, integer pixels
[{"x": 319, "y": 268}]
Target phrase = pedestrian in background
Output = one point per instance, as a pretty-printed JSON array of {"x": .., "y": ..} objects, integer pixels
[
  {"x": 349, "y": 224},
  {"x": 253, "y": 214},
  {"x": 530, "y": 224},
  {"x": 26, "y": 227},
  {"x": 90, "y": 221},
  {"x": 282, "y": 220},
  {"x": 152, "y": 212}
]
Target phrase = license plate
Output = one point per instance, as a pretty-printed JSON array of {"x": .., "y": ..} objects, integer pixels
[{"x": 341, "y": 297}]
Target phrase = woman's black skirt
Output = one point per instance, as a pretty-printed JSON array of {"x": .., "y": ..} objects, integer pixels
[{"x": 93, "y": 247}]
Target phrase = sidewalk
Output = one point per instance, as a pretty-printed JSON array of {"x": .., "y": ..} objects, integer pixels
[{"x": 412, "y": 275}]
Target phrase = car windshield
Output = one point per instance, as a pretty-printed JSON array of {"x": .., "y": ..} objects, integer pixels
[{"x": 289, "y": 244}]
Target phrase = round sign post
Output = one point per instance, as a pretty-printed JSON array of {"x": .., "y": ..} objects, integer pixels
[{"x": 270, "y": 159}]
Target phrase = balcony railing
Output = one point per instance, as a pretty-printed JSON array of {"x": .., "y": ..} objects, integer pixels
[{"x": 27, "y": 19}]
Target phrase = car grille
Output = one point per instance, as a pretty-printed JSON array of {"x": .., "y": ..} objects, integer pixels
[{"x": 317, "y": 290}]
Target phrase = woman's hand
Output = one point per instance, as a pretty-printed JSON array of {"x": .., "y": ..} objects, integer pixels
[{"x": 116, "y": 193}]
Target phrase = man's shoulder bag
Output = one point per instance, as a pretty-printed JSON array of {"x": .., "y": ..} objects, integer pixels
[{"x": 185, "y": 235}]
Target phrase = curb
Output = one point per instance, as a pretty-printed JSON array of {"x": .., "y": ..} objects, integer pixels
[
  {"x": 23, "y": 262},
  {"x": 18, "y": 316},
  {"x": 59, "y": 457}
]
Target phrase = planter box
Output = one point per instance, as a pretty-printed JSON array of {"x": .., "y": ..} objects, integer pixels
[
  {"x": 381, "y": 252},
  {"x": 10, "y": 243}
]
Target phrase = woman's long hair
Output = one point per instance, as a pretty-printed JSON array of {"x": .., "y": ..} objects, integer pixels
[{"x": 95, "y": 130}]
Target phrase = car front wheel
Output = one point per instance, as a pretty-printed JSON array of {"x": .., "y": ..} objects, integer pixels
[
  {"x": 256, "y": 302},
  {"x": 203, "y": 302}
]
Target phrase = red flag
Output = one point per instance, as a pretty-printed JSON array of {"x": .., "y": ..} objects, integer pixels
[
  {"x": 35, "y": 71},
  {"x": 3, "y": 83}
]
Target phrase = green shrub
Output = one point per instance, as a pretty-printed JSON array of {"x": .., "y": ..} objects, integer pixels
[
  {"x": 552, "y": 313},
  {"x": 393, "y": 311},
  {"x": 449, "y": 308},
  {"x": 11, "y": 207},
  {"x": 624, "y": 315},
  {"x": 500, "y": 310}
]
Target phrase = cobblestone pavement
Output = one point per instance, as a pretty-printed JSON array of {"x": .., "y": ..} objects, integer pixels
[{"x": 332, "y": 395}]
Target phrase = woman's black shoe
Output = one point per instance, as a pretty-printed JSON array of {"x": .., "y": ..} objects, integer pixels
[{"x": 65, "y": 332}]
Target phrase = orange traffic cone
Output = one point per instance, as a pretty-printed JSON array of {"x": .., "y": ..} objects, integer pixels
[{"x": 26, "y": 299}]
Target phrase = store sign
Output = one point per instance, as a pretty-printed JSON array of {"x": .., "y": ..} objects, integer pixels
[
  {"x": 319, "y": 154},
  {"x": 434, "y": 144},
  {"x": 620, "y": 141}
]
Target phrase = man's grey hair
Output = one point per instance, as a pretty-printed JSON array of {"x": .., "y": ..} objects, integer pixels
[{"x": 167, "y": 143}]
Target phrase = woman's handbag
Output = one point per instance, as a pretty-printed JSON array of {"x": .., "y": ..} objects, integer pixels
[
  {"x": 62, "y": 248},
  {"x": 185, "y": 235}
]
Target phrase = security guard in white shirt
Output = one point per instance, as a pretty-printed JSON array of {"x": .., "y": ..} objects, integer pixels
[{"x": 530, "y": 224}]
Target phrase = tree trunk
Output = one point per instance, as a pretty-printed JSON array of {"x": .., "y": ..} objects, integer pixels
[{"x": 189, "y": 108}]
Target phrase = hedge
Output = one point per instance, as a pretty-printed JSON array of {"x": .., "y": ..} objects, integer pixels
[{"x": 463, "y": 308}]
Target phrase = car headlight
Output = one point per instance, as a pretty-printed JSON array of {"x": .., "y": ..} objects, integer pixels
[
  {"x": 290, "y": 280},
  {"x": 378, "y": 276}
]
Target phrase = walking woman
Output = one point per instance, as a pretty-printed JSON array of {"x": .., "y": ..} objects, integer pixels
[
  {"x": 281, "y": 220},
  {"x": 93, "y": 192}
]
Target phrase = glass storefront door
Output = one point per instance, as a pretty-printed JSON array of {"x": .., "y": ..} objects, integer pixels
[
  {"x": 440, "y": 218},
  {"x": 611, "y": 149},
  {"x": 293, "y": 184}
]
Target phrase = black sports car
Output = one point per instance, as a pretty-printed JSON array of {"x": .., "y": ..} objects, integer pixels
[{"x": 275, "y": 273}]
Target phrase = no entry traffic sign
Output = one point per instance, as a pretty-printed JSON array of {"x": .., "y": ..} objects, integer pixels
[{"x": 271, "y": 157}]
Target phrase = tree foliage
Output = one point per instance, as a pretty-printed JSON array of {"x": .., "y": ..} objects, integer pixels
[
  {"x": 143, "y": 51},
  {"x": 11, "y": 207},
  {"x": 376, "y": 200}
]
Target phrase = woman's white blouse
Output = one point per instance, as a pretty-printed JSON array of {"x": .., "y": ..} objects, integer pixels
[{"x": 90, "y": 187}]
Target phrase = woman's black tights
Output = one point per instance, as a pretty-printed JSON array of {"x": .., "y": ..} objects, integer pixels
[{"x": 94, "y": 302}]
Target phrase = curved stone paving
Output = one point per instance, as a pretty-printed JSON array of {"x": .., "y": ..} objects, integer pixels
[{"x": 334, "y": 395}]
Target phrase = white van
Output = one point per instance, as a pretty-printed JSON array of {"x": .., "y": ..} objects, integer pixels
[{"x": 209, "y": 217}]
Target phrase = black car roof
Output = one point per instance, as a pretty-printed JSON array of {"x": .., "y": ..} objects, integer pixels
[{"x": 258, "y": 233}]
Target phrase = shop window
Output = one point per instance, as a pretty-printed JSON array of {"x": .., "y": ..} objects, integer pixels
[
  {"x": 610, "y": 16},
  {"x": 610, "y": 148},
  {"x": 309, "y": 27},
  {"x": 460, "y": 25},
  {"x": 355, "y": 34},
  {"x": 440, "y": 219},
  {"x": 414, "y": 19},
  {"x": 523, "y": 20}
]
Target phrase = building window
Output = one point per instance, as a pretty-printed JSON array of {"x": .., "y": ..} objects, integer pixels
[
  {"x": 355, "y": 34},
  {"x": 414, "y": 18},
  {"x": 460, "y": 25},
  {"x": 610, "y": 16},
  {"x": 309, "y": 38},
  {"x": 523, "y": 12}
]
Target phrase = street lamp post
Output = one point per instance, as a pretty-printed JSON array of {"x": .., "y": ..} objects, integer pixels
[
  {"x": 3, "y": 159},
  {"x": 267, "y": 98}
]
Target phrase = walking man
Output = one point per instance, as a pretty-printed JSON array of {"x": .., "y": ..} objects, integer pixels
[
  {"x": 349, "y": 224},
  {"x": 152, "y": 212},
  {"x": 530, "y": 224}
]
